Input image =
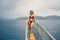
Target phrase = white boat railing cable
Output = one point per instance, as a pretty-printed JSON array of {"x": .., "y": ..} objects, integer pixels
[
  {"x": 40, "y": 31},
  {"x": 46, "y": 31},
  {"x": 36, "y": 33},
  {"x": 26, "y": 32}
]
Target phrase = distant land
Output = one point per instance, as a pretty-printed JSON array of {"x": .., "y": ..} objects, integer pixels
[
  {"x": 36, "y": 17},
  {"x": 40, "y": 18}
]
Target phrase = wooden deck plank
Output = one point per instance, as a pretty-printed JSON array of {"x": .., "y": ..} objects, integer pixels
[{"x": 32, "y": 37}]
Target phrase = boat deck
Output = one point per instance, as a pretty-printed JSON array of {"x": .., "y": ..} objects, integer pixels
[
  {"x": 39, "y": 33},
  {"x": 32, "y": 37}
]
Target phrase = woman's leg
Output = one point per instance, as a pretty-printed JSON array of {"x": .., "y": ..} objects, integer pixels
[
  {"x": 31, "y": 25},
  {"x": 32, "y": 37}
]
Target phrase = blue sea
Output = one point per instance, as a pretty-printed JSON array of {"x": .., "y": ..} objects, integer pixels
[{"x": 15, "y": 30}]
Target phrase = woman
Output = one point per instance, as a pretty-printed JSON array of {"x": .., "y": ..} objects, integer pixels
[
  {"x": 31, "y": 20},
  {"x": 30, "y": 24}
]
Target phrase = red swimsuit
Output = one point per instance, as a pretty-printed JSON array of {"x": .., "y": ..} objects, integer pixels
[
  {"x": 30, "y": 21},
  {"x": 32, "y": 18}
]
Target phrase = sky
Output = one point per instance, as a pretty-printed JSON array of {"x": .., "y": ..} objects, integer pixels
[{"x": 20, "y": 8}]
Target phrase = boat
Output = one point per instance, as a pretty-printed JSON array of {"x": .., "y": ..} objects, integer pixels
[{"x": 39, "y": 32}]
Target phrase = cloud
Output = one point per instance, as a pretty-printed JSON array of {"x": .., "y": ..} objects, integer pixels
[
  {"x": 18, "y": 8},
  {"x": 56, "y": 7},
  {"x": 8, "y": 8},
  {"x": 50, "y": 7}
]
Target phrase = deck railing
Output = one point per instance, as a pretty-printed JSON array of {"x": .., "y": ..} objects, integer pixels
[{"x": 39, "y": 32}]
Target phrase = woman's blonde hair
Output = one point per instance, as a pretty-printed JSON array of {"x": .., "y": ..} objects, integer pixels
[{"x": 31, "y": 12}]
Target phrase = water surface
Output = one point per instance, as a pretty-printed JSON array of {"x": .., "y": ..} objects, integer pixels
[{"x": 15, "y": 30}]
